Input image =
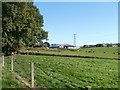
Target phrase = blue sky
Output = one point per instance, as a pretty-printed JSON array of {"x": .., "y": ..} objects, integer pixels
[{"x": 92, "y": 22}]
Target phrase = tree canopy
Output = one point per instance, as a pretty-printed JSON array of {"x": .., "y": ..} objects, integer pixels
[{"x": 21, "y": 26}]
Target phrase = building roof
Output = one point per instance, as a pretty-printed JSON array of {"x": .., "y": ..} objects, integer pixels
[{"x": 68, "y": 45}]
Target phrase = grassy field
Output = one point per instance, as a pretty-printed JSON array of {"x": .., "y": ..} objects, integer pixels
[
  {"x": 66, "y": 72},
  {"x": 106, "y": 52},
  {"x": 9, "y": 80}
]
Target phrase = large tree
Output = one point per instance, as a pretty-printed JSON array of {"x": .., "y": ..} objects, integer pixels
[{"x": 21, "y": 26}]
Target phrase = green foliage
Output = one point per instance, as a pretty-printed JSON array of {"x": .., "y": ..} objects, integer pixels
[
  {"x": 22, "y": 26},
  {"x": 46, "y": 44}
]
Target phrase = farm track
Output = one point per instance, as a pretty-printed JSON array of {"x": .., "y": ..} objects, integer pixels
[{"x": 61, "y": 55}]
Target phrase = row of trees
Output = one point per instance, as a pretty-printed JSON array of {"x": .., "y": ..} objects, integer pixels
[
  {"x": 21, "y": 26},
  {"x": 99, "y": 45}
]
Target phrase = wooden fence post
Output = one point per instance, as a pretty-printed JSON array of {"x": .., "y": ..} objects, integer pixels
[
  {"x": 27, "y": 52},
  {"x": 3, "y": 60},
  {"x": 88, "y": 87},
  {"x": 32, "y": 74},
  {"x": 12, "y": 62}
]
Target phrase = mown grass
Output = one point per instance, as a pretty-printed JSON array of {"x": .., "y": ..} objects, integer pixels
[
  {"x": 106, "y": 52},
  {"x": 67, "y": 72}
]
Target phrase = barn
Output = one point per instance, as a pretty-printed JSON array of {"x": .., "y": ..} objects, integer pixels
[{"x": 62, "y": 46}]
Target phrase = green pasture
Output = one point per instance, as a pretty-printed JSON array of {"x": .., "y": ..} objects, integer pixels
[
  {"x": 106, "y": 52},
  {"x": 9, "y": 80},
  {"x": 66, "y": 72}
]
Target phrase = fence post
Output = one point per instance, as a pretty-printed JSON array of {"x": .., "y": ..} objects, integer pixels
[
  {"x": 88, "y": 87},
  {"x": 32, "y": 74},
  {"x": 12, "y": 62},
  {"x": 3, "y": 60},
  {"x": 27, "y": 52}
]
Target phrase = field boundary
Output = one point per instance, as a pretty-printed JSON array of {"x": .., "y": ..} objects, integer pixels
[{"x": 61, "y": 55}]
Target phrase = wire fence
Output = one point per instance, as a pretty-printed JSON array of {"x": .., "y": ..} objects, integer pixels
[
  {"x": 18, "y": 65},
  {"x": 22, "y": 67},
  {"x": 38, "y": 74}
]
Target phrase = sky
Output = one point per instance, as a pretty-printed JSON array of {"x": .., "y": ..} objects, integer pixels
[{"x": 92, "y": 22}]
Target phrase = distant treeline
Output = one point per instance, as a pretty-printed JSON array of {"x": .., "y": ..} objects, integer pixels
[{"x": 102, "y": 45}]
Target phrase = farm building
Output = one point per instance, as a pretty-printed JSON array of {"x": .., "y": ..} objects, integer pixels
[
  {"x": 62, "y": 46},
  {"x": 68, "y": 46},
  {"x": 54, "y": 46}
]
